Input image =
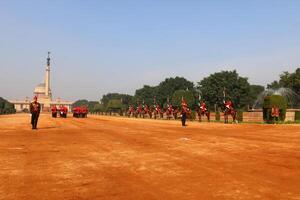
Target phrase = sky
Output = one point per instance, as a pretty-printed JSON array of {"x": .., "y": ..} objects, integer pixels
[{"x": 120, "y": 45}]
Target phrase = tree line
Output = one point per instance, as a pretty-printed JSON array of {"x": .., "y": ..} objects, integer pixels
[{"x": 214, "y": 89}]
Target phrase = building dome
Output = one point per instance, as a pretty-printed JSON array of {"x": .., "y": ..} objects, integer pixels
[{"x": 40, "y": 88}]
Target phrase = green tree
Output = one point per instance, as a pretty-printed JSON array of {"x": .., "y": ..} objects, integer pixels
[
  {"x": 99, "y": 108},
  {"x": 255, "y": 90},
  {"x": 114, "y": 105},
  {"x": 167, "y": 87},
  {"x": 236, "y": 88},
  {"x": 6, "y": 107},
  {"x": 186, "y": 94},
  {"x": 145, "y": 94},
  {"x": 125, "y": 98},
  {"x": 288, "y": 80},
  {"x": 81, "y": 102}
]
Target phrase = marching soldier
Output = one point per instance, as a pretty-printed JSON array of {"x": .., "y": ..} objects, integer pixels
[
  {"x": 184, "y": 110},
  {"x": 35, "y": 109}
]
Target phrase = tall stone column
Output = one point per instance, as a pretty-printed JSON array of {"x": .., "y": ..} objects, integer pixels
[{"x": 47, "y": 77}]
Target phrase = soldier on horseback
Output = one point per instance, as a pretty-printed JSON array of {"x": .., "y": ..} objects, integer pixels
[
  {"x": 229, "y": 110},
  {"x": 131, "y": 111},
  {"x": 203, "y": 110},
  {"x": 169, "y": 111}
]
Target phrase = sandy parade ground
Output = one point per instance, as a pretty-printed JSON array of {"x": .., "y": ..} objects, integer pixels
[{"x": 104, "y": 157}]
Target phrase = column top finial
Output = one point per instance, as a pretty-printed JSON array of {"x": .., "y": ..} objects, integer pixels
[{"x": 48, "y": 59}]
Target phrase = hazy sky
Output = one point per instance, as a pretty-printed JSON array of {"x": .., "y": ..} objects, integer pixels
[{"x": 118, "y": 46}]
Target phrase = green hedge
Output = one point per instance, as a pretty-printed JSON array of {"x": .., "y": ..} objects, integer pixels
[
  {"x": 269, "y": 102},
  {"x": 239, "y": 116},
  {"x": 297, "y": 115},
  {"x": 218, "y": 116},
  {"x": 6, "y": 107}
]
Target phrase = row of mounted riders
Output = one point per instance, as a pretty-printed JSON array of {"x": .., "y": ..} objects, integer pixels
[
  {"x": 78, "y": 112},
  {"x": 156, "y": 111}
]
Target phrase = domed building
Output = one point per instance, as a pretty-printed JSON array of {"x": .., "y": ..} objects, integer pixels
[{"x": 44, "y": 94}]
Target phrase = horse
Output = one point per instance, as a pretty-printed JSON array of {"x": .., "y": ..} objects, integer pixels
[
  {"x": 175, "y": 112},
  {"x": 229, "y": 111},
  {"x": 201, "y": 111},
  {"x": 130, "y": 111},
  {"x": 139, "y": 111},
  {"x": 147, "y": 111},
  {"x": 158, "y": 112}
]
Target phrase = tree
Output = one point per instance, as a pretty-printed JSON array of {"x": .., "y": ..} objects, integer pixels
[
  {"x": 6, "y": 107},
  {"x": 81, "y": 102},
  {"x": 167, "y": 87},
  {"x": 255, "y": 90},
  {"x": 114, "y": 105},
  {"x": 125, "y": 98},
  {"x": 145, "y": 94},
  {"x": 288, "y": 80},
  {"x": 186, "y": 95},
  {"x": 236, "y": 88}
]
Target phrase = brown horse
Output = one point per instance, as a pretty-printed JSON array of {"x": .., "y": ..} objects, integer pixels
[
  {"x": 157, "y": 112},
  {"x": 139, "y": 111},
  {"x": 229, "y": 111},
  {"x": 169, "y": 111},
  {"x": 130, "y": 111},
  {"x": 175, "y": 112},
  {"x": 147, "y": 111},
  {"x": 201, "y": 111}
]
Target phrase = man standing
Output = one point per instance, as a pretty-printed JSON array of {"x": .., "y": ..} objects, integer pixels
[
  {"x": 184, "y": 110},
  {"x": 35, "y": 109}
]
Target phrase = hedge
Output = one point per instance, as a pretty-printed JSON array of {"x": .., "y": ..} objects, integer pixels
[
  {"x": 297, "y": 115},
  {"x": 239, "y": 116},
  {"x": 271, "y": 101},
  {"x": 218, "y": 116}
]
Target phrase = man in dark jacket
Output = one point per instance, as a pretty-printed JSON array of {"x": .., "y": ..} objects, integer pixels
[{"x": 35, "y": 109}]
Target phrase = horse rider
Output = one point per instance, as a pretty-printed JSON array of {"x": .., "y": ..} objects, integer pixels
[
  {"x": 203, "y": 106},
  {"x": 35, "y": 109},
  {"x": 229, "y": 105}
]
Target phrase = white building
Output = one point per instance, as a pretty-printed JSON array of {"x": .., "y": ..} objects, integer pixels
[{"x": 44, "y": 94}]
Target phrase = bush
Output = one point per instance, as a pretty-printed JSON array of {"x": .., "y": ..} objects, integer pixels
[
  {"x": 193, "y": 115},
  {"x": 239, "y": 116},
  {"x": 218, "y": 116},
  {"x": 6, "y": 107},
  {"x": 297, "y": 115},
  {"x": 271, "y": 101}
]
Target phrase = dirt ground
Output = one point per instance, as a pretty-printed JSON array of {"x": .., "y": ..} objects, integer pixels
[{"x": 118, "y": 158}]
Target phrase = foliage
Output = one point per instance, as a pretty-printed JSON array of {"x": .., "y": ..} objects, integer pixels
[
  {"x": 145, "y": 94},
  {"x": 125, "y": 99},
  {"x": 114, "y": 104},
  {"x": 288, "y": 80},
  {"x": 81, "y": 102},
  {"x": 218, "y": 116},
  {"x": 6, "y": 107},
  {"x": 162, "y": 91},
  {"x": 98, "y": 108},
  {"x": 271, "y": 101},
  {"x": 167, "y": 87},
  {"x": 255, "y": 90},
  {"x": 186, "y": 94},
  {"x": 239, "y": 116},
  {"x": 297, "y": 115},
  {"x": 236, "y": 88},
  {"x": 93, "y": 106}
]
